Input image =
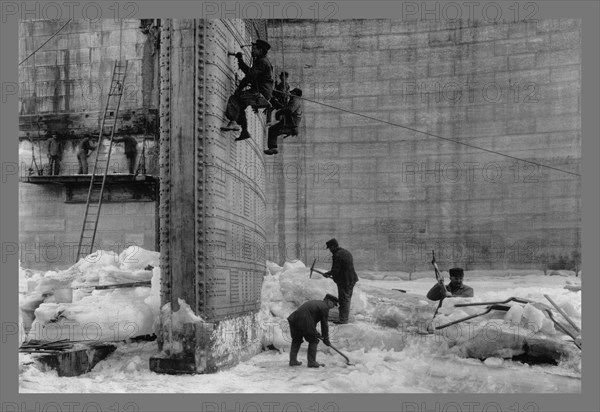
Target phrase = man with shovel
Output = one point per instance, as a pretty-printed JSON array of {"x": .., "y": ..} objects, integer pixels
[
  {"x": 343, "y": 274},
  {"x": 303, "y": 325}
]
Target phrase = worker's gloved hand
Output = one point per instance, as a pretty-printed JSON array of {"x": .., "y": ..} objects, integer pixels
[
  {"x": 239, "y": 55},
  {"x": 326, "y": 342}
]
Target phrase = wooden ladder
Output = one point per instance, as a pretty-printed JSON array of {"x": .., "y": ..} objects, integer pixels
[{"x": 96, "y": 189}]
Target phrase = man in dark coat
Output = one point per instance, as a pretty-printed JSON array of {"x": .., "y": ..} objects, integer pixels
[
  {"x": 260, "y": 79},
  {"x": 290, "y": 117},
  {"x": 343, "y": 274},
  {"x": 280, "y": 95},
  {"x": 84, "y": 150},
  {"x": 130, "y": 144},
  {"x": 303, "y": 325},
  {"x": 455, "y": 288},
  {"x": 54, "y": 152}
]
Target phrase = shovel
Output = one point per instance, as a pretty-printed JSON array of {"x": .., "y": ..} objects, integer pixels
[
  {"x": 513, "y": 299},
  {"x": 344, "y": 356},
  {"x": 490, "y": 308}
]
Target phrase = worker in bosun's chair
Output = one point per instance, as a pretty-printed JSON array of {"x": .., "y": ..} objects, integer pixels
[
  {"x": 289, "y": 120},
  {"x": 280, "y": 95},
  {"x": 260, "y": 79}
]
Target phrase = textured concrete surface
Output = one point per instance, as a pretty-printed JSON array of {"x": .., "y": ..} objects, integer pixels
[{"x": 391, "y": 195}]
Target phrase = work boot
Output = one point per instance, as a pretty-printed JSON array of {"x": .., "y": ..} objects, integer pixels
[
  {"x": 243, "y": 136},
  {"x": 294, "y": 354},
  {"x": 271, "y": 152},
  {"x": 312, "y": 355},
  {"x": 231, "y": 126},
  {"x": 340, "y": 322}
]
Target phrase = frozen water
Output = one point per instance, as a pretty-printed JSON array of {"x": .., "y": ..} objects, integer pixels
[{"x": 387, "y": 341}]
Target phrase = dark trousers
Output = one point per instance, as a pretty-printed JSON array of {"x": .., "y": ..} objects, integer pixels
[
  {"x": 276, "y": 130},
  {"x": 237, "y": 104},
  {"x": 54, "y": 165},
  {"x": 131, "y": 162},
  {"x": 298, "y": 336},
  {"x": 83, "y": 164},
  {"x": 345, "y": 297}
]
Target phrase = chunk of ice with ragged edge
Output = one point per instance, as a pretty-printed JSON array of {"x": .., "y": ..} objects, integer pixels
[
  {"x": 532, "y": 318},
  {"x": 135, "y": 258},
  {"x": 514, "y": 315},
  {"x": 295, "y": 265},
  {"x": 273, "y": 268},
  {"x": 175, "y": 320},
  {"x": 112, "y": 316}
]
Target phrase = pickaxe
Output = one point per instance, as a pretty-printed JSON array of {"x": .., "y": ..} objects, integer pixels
[{"x": 312, "y": 269}]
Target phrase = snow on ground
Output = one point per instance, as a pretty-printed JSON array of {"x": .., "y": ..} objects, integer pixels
[{"x": 386, "y": 340}]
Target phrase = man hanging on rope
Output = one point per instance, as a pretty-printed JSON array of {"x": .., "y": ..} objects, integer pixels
[
  {"x": 289, "y": 119},
  {"x": 260, "y": 79},
  {"x": 280, "y": 95}
]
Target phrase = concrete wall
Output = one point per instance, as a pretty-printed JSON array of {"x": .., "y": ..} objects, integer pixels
[
  {"x": 390, "y": 194},
  {"x": 63, "y": 90},
  {"x": 63, "y": 87}
]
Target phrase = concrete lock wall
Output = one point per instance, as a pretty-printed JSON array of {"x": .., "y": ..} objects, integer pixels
[
  {"x": 63, "y": 89},
  {"x": 391, "y": 195}
]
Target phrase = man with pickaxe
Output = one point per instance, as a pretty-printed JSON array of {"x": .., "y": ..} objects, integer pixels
[
  {"x": 455, "y": 288},
  {"x": 343, "y": 274}
]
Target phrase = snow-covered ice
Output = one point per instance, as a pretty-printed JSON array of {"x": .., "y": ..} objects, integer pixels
[{"x": 387, "y": 340}]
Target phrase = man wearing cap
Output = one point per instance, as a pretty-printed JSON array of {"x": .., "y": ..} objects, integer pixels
[
  {"x": 289, "y": 120},
  {"x": 303, "y": 325},
  {"x": 260, "y": 79},
  {"x": 83, "y": 152},
  {"x": 54, "y": 152},
  {"x": 130, "y": 145},
  {"x": 455, "y": 288},
  {"x": 343, "y": 274}
]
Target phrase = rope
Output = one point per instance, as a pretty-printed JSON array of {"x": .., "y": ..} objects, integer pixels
[
  {"x": 283, "y": 59},
  {"x": 436, "y": 136},
  {"x": 121, "y": 41},
  {"x": 43, "y": 44}
]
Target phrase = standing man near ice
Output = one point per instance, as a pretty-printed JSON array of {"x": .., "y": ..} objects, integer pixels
[
  {"x": 343, "y": 274},
  {"x": 303, "y": 325},
  {"x": 455, "y": 288}
]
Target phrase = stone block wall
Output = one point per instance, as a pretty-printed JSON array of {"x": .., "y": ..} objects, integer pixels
[
  {"x": 390, "y": 194},
  {"x": 49, "y": 228},
  {"x": 63, "y": 89}
]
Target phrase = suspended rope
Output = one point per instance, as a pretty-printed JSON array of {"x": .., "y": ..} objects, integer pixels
[
  {"x": 437, "y": 136},
  {"x": 283, "y": 62},
  {"x": 43, "y": 44}
]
